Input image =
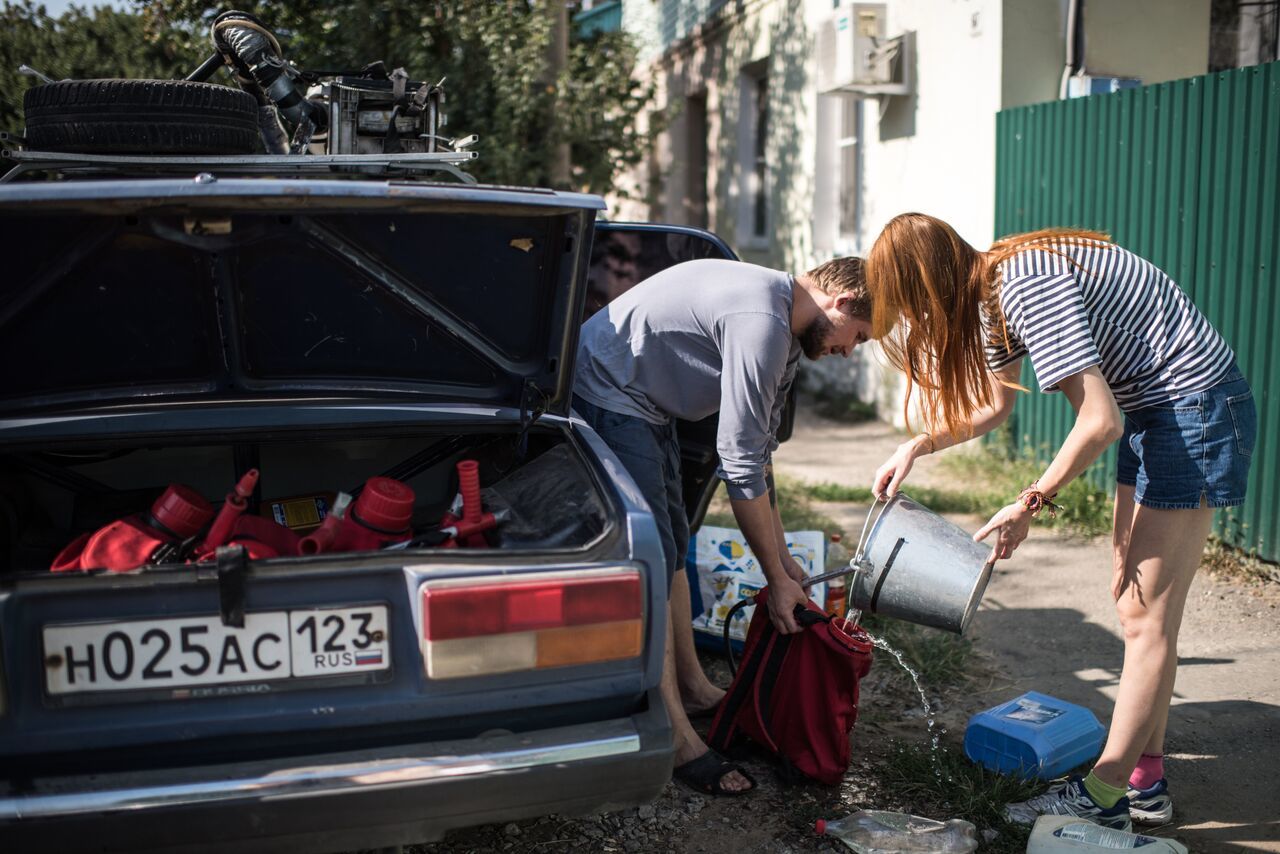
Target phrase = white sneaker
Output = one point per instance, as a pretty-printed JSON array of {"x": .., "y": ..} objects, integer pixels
[
  {"x": 1151, "y": 806},
  {"x": 1071, "y": 798}
]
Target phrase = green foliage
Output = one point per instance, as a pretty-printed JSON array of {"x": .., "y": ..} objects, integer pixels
[
  {"x": 491, "y": 52},
  {"x": 996, "y": 480},
  {"x": 1085, "y": 509},
  {"x": 958, "y": 789},
  {"x": 941, "y": 659},
  {"x": 82, "y": 43},
  {"x": 843, "y": 407}
]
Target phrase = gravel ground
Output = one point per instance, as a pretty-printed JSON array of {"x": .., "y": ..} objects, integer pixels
[{"x": 778, "y": 818}]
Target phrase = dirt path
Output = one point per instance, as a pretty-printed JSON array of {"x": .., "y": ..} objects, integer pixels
[{"x": 1047, "y": 624}]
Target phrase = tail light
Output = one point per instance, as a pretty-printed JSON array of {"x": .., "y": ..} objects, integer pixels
[{"x": 476, "y": 627}]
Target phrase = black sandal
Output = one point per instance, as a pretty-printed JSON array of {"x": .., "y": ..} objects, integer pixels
[{"x": 706, "y": 775}]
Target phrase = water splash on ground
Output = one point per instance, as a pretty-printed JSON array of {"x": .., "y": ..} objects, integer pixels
[{"x": 935, "y": 732}]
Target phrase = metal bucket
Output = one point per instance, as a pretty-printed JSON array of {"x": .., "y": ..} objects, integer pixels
[{"x": 917, "y": 566}]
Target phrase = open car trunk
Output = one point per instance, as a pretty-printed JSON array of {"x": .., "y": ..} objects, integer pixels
[
  {"x": 115, "y": 642},
  {"x": 544, "y": 499}
]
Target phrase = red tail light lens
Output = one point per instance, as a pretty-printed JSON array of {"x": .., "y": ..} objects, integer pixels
[{"x": 472, "y": 627}]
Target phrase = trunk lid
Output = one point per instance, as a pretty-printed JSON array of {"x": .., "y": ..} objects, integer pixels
[{"x": 270, "y": 288}]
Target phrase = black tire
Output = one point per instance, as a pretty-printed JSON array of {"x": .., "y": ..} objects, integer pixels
[{"x": 140, "y": 117}]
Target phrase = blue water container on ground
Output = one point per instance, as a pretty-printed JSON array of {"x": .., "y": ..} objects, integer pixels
[{"x": 1034, "y": 735}]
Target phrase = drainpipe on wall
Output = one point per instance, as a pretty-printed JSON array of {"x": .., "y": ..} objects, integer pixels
[{"x": 1075, "y": 44}]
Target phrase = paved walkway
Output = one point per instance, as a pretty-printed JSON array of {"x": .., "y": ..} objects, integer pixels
[{"x": 1047, "y": 624}]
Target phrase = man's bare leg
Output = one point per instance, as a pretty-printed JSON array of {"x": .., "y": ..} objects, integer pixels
[
  {"x": 689, "y": 745},
  {"x": 697, "y": 692}
]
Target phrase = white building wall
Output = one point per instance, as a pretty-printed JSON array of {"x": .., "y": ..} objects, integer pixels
[{"x": 931, "y": 151}]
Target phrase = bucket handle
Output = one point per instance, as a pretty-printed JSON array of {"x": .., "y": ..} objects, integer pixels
[
  {"x": 866, "y": 526},
  {"x": 855, "y": 565}
]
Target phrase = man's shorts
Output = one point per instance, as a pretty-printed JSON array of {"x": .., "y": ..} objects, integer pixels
[
  {"x": 1199, "y": 445},
  {"x": 651, "y": 455}
]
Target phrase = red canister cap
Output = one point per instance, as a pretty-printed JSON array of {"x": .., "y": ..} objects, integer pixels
[
  {"x": 182, "y": 510},
  {"x": 385, "y": 504}
]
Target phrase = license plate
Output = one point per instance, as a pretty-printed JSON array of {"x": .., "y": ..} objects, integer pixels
[{"x": 197, "y": 651}]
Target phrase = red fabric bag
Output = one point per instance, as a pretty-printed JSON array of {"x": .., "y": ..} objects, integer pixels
[{"x": 796, "y": 695}]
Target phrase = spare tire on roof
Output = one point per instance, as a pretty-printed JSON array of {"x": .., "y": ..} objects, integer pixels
[{"x": 140, "y": 117}]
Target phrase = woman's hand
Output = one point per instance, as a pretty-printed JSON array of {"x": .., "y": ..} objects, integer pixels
[
  {"x": 890, "y": 475},
  {"x": 1013, "y": 522}
]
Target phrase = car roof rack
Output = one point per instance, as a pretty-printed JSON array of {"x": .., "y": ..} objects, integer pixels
[{"x": 327, "y": 165}]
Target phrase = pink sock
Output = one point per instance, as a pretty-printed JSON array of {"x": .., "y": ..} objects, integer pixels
[{"x": 1150, "y": 771}]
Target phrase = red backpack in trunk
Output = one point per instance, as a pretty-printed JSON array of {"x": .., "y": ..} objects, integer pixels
[{"x": 796, "y": 695}]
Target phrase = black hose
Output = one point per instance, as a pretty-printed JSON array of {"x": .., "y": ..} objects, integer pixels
[
  {"x": 728, "y": 624},
  {"x": 207, "y": 68}
]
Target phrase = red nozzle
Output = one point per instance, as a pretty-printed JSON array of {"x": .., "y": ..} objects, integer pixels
[
  {"x": 244, "y": 488},
  {"x": 321, "y": 539},
  {"x": 469, "y": 486},
  {"x": 464, "y": 528},
  {"x": 220, "y": 530},
  {"x": 821, "y": 826}
]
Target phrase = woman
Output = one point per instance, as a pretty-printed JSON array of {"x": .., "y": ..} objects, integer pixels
[{"x": 1114, "y": 334}]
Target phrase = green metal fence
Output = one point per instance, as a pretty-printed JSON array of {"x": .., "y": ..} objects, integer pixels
[{"x": 1186, "y": 174}]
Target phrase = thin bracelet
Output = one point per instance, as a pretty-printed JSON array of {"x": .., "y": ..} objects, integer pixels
[{"x": 929, "y": 436}]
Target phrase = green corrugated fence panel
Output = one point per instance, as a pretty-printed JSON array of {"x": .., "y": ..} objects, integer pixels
[{"x": 1186, "y": 174}]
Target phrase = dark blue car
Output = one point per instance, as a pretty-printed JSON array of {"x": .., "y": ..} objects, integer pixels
[{"x": 169, "y": 330}]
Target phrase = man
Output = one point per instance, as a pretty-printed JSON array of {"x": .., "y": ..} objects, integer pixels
[{"x": 697, "y": 338}]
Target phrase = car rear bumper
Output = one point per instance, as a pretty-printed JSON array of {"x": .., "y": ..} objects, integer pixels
[{"x": 363, "y": 799}]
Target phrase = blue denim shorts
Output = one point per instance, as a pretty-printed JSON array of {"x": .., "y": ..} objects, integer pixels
[
  {"x": 1197, "y": 446},
  {"x": 651, "y": 455}
]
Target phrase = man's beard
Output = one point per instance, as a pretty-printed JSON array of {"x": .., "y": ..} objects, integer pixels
[{"x": 814, "y": 337}]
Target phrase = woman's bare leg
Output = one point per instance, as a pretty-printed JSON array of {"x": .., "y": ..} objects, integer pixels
[{"x": 1155, "y": 563}]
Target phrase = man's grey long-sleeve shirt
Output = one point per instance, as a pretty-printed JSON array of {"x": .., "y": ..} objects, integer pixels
[{"x": 699, "y": 337}]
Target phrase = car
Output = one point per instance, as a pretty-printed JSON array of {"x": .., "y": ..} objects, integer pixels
[{"x": 319, "y": 332}]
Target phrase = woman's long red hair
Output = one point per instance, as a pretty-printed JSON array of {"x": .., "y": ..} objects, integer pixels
[{"x": 929, "y": 290}]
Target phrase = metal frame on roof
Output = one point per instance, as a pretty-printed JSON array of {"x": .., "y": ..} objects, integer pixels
[{"x": 327, "y": 165}]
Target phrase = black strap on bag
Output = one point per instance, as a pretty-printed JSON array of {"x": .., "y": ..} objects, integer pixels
[
  {"x": 768, "y": 654},
  {"x": 728, "y": 624}
]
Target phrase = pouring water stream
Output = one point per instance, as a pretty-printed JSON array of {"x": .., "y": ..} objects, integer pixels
[{"x": 851, "y": 623}]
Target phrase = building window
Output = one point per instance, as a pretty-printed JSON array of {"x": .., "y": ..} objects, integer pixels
[
  {"x": 695, "y": 196},
  {"x": 849, "y": 144},
  {"x": 1243, "y": 33},
  {"x": 760, "y": 162},
  {"x": 753, "y": 220}
]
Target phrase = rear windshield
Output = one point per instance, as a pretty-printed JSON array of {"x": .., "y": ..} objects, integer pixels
[
  {"x": 623, "y": 256},
  {"x": 100, "y": 306}
]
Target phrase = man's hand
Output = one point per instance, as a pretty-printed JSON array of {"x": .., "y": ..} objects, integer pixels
[
  {"x": 794, "y": 569},
  {"x": 784, "y": 596},
  {"x": 1013, "y": 522}
]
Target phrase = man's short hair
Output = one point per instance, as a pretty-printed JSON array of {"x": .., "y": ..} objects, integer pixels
[{"x": 844, "y": 276}]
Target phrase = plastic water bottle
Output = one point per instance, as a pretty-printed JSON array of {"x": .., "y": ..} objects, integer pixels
[
  {"x": 879, "y": 832},
  {"x": 837, "y": 558},
  {"x": 1060, "y": 834}
]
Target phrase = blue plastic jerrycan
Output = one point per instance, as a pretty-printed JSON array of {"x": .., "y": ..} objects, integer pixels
[{"x": 1034, "y": 735}]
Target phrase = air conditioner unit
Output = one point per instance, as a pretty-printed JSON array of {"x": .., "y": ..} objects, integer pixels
[{"x": 856, "y": 56}]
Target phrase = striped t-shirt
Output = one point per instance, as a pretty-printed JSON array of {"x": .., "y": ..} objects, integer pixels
[{"x": 1111, "y": 309}]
